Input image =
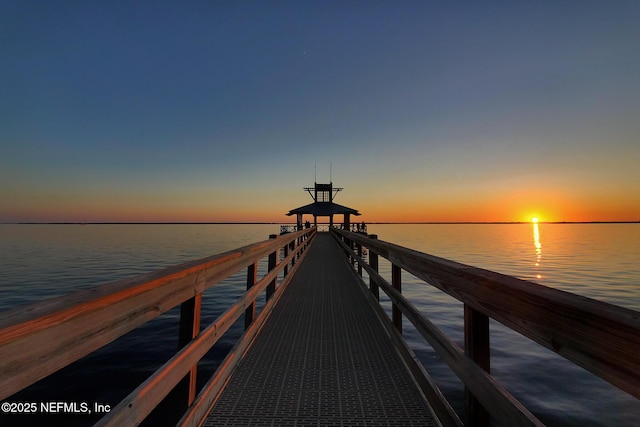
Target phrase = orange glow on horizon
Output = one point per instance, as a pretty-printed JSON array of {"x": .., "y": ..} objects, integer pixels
[{"x": 523, "y": 205}]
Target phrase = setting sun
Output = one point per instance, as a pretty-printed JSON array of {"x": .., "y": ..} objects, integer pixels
[{"x": 535, "y": 219}]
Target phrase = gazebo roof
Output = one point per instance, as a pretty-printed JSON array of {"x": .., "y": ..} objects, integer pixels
[{"x": 323, "y": 209}]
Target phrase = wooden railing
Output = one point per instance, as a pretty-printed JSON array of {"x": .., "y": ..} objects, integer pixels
[
  {"x": 42, "y": 338},
  {"x": 602, "y": 338}
]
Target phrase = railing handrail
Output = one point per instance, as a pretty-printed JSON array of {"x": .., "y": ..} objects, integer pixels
[
  {"x": 601, "y": 337},
  {"x": 41, "y": 338}
]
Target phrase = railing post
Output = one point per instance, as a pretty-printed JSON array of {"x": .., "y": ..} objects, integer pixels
[
  {"x": 373, "y": 262},
  {"x": 348, "y": 243},
  {"x": 273, "y": 257},
  {"x": 359, "y": 247},
  {"x": 396, "y": 282},
  {"x": 476, "y": 345},
  {"x": 351, "y": 246},
  {"x": 252, "y": 278},
  {"x": 286, "y": 253},
  {"x": 189, "y": 328},
  {"x": 292, "y": 247}
]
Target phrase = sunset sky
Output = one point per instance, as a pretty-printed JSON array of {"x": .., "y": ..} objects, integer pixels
[{"x": 219, "y": 110}]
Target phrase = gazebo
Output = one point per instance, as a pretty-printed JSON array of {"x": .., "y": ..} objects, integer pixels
[{"x": 323, "y": 205}]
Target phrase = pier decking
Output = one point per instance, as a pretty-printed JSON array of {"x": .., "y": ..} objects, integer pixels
[{"x": 322, "y": 358}]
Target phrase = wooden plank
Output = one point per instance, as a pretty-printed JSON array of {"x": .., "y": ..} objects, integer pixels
[
  {"x": 373, "y": 261},
  {"x": 252, "y": 277},
  {"x": 396, "y": 282},
  {"x": 600, "y": 337},
  {"x": 476, "y": 346},
  {"x": 286, "y": 267},
  {"x": 273, "y": 259},
  {"x": 188, "y": 329},
  {"x": 41, "y": 338}
]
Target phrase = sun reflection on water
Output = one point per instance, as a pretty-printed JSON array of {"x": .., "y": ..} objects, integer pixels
[{"x": 537, "y": 245}]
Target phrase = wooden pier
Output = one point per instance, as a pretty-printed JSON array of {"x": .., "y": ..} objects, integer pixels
[
  {"x": 321, "y": 351},
  {"x": 323, "y": 358}
]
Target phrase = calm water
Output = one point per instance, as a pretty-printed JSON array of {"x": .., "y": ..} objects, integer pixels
[{"x": 600, "y": 261}]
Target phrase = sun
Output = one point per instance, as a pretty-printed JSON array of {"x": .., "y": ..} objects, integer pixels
[{"x": 535, "y": 219}]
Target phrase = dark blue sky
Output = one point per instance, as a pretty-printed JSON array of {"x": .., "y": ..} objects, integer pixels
[{"x": 219, "y": 110}]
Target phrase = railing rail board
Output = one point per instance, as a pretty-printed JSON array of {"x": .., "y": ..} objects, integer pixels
[
  {"x": 139, "y": 403},
  {"x": 494, "y": 397},
  {"x": 600, "y": 337},
  {"x": 42, "y": 338},
  {"x": 196, "y": 413}
]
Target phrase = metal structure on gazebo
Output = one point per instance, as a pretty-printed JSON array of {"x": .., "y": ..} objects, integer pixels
[{"x": 323, "y": 206}]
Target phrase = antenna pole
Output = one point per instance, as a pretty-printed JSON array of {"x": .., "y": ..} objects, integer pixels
[
  {"x": 315, "y": 172},
  {"x": 331, "y": 172}
]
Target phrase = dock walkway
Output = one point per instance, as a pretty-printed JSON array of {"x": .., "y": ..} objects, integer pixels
[{"x": 322, "y": 358}]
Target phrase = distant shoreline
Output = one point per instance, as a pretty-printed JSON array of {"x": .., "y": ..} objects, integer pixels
[{"x": 293, "y": 223}]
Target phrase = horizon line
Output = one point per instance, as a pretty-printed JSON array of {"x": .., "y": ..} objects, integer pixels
[{"x": 293, "y": 223}]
